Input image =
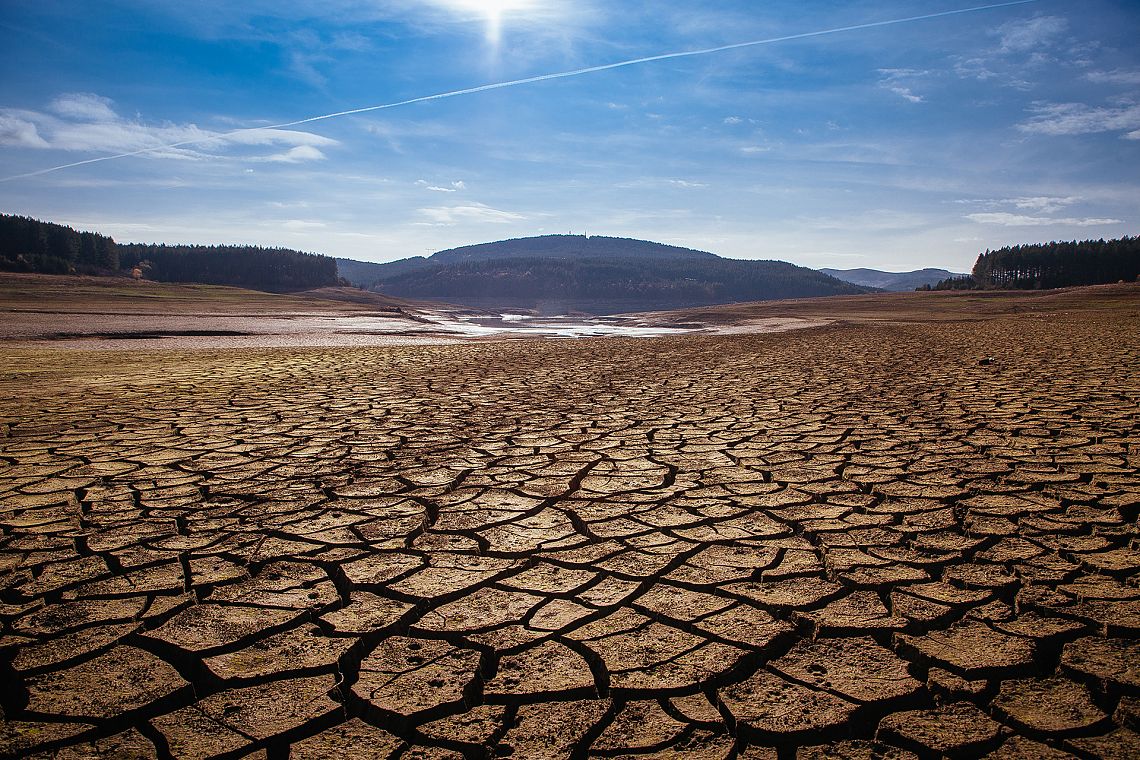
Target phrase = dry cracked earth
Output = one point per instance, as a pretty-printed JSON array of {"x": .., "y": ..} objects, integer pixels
[{"x": 853, "y": 541}]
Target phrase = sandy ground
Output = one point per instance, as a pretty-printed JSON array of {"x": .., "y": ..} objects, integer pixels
[
  {"x": 87, "y": 313},
  {"x": 911, "y": 532}
]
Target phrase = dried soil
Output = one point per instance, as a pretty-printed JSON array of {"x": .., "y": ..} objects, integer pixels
[{"x": 849, "y": 541}]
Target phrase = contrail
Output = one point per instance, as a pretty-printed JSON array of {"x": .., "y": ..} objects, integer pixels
[{"x": 525, "y": 81}]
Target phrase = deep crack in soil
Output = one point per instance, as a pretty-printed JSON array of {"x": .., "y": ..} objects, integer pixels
[{"x": 855, "y": 541}]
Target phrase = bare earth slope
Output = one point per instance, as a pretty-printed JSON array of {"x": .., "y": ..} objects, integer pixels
[
  {"x": 105, "y": 309},
  {"x": 863, "y": 537}
]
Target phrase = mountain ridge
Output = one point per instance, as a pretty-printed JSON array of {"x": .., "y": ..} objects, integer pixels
[
  {"x": 553, "y": 274},
  {"x": 891, "y": 281}
]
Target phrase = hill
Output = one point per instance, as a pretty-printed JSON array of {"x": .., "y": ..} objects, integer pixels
[
  {"x": 276, "y": 270},
  {"x": 894, "y": 281},
  {"x": 557, "y": 274},
  {"x": 31, "y": 246}
]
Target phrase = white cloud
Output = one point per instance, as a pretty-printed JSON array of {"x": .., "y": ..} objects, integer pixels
[
  {"x": 276, "y": 137},
  {"x": 974, "y": 68},
  {"x": 453, "y": 188},
  {"x": 20, "y": 133},
  {"x": 1019, "y": 220},
  {"x": 733, "y": 120},
  {"x": 447, "y": 216},
  {"x": 88, "y": 123},
  {"x": 84, "y": 106},
  {"x": 1080, "y": 119},
  {"x": 1030, "y": 35},
  {"x": 1046, "y": 204},
  {"x": 1043, "y": 203},
  {"x": 686, "y": 184},
  {"x": 304, "y": 68},
  {"x": 300, "y": 225},
  {"x": 906, "y": 94},
  {"x": 1024, "y": 46},
  {"x": 900, "y": 81},
  {"x": 1117, "y": 76},
  {"x": 300, "y": 154}
]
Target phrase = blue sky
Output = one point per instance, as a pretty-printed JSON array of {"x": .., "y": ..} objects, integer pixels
[{"x": 896, "y": 147}]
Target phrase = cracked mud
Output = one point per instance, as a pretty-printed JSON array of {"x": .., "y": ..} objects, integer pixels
[{"x": 855, "y": 541}]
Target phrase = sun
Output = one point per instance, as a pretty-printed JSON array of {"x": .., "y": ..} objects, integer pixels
[
  {"x": 496, "y": 8},
  {"x": 493, "y": 12}
]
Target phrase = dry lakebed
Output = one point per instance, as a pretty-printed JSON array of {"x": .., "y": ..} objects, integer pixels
[{"x": 907, "y": 529}]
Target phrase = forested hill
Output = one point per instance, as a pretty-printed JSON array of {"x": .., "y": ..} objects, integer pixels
[
  {"x": 366, "y": 274},
  {"x": 557, "y": 274},
  {"x": 273, "y": 269},
  {"x": 1053, "y": 265},
  {"x": 571, "y": 246},
  {"x": 29, "y": 245}
]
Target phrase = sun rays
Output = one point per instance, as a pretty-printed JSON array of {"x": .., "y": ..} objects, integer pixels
[{"x": 493, "y": 12}]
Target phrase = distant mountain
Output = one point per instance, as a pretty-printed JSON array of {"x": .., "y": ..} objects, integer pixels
[
  {"x": 874, "y": 278},
  {"x": 365, "y": 274},
  {"x": 558, "y": 274}
]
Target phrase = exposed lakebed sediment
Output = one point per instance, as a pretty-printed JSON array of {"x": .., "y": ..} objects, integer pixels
[{"x": 904, "y": 539}]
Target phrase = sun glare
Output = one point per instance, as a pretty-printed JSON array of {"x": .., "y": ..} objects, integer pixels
[{"x": 493, "y": 11}]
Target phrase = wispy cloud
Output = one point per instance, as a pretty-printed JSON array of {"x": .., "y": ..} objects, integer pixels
[
  {"x": 656, "y": 182},
  {"x": 1032, "y": 211},
  {"x": 307, "y": 52},
  {"x": 1116, "y": 76},
  {"x": 297, "y": 155},
  {"x": 900, "y": 82},
  {"x": 1020, "y": 220},
  {"x": 84, "y": 106},
  {"x": 1023, "y": 46},
  {"x": 1080, "y": 119},
  {"x": 454, "y": 187},
  {"x": 302, "y": 225},
  {"x": 1045, "y": 204},
  {"x": 1031, "y": 35},
  {"x": 448, "y": 216},
  {"x": 85, "y": 122},
  {"x": 18, "y": 132},
  {"x": 574, "y": 73}
]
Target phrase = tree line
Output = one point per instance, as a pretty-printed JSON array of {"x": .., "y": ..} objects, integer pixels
[
  {"x": 1052, "y": 265},
  {"x": 245, "y": 266},
  {"x": 29, "y": 245}
]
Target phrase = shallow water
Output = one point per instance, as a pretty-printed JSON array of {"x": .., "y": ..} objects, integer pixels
[
  {"x": 525, "y": 326},
  {"x": 103, "y": 331}
]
